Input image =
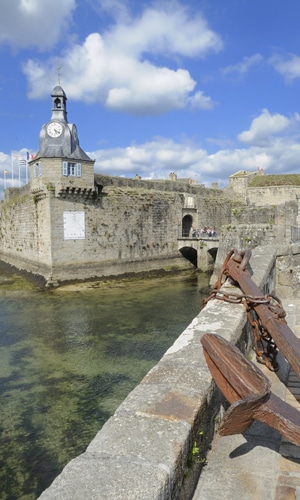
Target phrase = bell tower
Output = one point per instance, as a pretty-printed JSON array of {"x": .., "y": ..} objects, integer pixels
[
  {"x": 60, "y": 162},
  {"x": 59, "y": 104}
]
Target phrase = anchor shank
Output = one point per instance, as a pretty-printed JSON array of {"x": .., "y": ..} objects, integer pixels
[{"x": 278, "y": 328}]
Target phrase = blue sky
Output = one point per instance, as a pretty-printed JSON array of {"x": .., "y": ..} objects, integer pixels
[{"x": 202, "y": 88}]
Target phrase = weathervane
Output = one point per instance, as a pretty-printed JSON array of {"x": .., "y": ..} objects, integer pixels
[{"x": 58, "y": 74}]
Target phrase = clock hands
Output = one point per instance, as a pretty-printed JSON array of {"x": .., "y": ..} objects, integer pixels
[{"x": 54, "y": 129}]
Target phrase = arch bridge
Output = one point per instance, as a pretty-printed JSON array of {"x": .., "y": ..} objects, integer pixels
[{"x": 201, "y": 252}]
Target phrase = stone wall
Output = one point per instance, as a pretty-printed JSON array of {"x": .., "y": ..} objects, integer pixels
[
  {"x": 253, "y": 226},
  {"x": 25, "y": 239},
  {"x": 124, "y": 227},
  {"x": 271, "y": 195},
  {"x": 181, "y": 186},
  {"x": 129, "y": 226},
  {"x": 155, "y": 444},
  {"x": 239, "y": 181},
  {"x": 206, "y": 206},
  {"x": 288, "y": 271}
]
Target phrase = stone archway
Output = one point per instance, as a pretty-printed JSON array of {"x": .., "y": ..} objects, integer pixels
[
  {"x": 190, "y": 254},
  {"x": 187, "y": 223}
]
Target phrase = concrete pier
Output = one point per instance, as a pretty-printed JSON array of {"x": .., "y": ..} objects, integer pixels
[{"x": 155, "y": 445}]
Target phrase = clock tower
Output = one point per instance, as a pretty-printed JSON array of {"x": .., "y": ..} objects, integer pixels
[{"x": 60, "y": 162}]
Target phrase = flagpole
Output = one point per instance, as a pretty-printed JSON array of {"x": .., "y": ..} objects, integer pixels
[{"x": 12, "y": 169}]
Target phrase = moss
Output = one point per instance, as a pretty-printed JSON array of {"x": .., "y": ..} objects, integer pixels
[{"x": 275, "y": 180}]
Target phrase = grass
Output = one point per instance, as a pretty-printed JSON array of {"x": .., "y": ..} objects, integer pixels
[{"x": 275, "y": 180}]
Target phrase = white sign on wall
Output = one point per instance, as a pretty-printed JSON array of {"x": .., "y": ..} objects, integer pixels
[
  {"x": 190, "y": 202},
  {"x": 74, "y": 226}
]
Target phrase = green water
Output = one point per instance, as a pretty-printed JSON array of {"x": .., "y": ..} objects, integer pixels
[{"x": 69, "y": 357}]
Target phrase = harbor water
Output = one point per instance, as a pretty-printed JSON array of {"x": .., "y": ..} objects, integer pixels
[{"x": 68, "y": 357}]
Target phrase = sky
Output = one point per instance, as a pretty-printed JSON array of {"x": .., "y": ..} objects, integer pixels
[{"x": 202, "y": 88}]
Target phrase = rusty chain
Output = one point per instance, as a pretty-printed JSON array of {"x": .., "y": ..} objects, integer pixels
[{"x": 265, "y": 347}]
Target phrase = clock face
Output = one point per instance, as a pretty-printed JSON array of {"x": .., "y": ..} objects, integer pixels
[{"x": 54, "y": 129}]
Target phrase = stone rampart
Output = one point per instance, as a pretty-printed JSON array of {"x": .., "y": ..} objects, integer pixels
[
  {"x": 288, "y": 271},
  {"x": 272, "y": 195},
  {"x": 129, "y": 226},
  {"x": 155, "y": 444},
  {"x": 132, "y": 225},
  {"x": 178, "y": 185},
  {"x": 251, "y": 227},
  {"x": 25, "y": 238}
]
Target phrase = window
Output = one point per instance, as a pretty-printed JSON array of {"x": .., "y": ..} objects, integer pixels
[
  {"x": 37, "y": 169},
  {"x": 71, "y": 169}
]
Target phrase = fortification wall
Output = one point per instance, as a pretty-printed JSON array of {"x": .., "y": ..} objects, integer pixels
[
  {"x": 257, "y": 226},
  {"x": 25, "y": 239},
  {"x": 132, "y": 225},
  {"x": 216, "y": 209},
  {"x": 177, "y": 185},
  {"x": 288, "y": 271},
  {"x": 126, "y": 228},
  {"x": 274, "y": 229},
  {"x": 155, "y": 444},
  {"x": 271, "y": 195},
  {"x": 206, "y": 206}
]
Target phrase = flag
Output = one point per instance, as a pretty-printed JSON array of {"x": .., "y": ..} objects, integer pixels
[
  {"x": 14, "y": 155},
  {"x": 22, "y": 162},
  {"x": 30, "y": 156}
]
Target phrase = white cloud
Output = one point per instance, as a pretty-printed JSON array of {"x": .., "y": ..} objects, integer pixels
[
  {"x": 151, "y": 90},
  {"x": 264, "y": 127},
  {"x": 3, "y": 158},
  {"x": 169, "y": 30},
  {"x": 34, "y": 23},
  {"x": 116, "y": 8},
  {"x": 200, "y": 101},
  {"x": 244, "y": 66},
  {"x": 156, "y": 159},
  {"x": 289, "y": 67},
  {"x": 116, "y": 69}
]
